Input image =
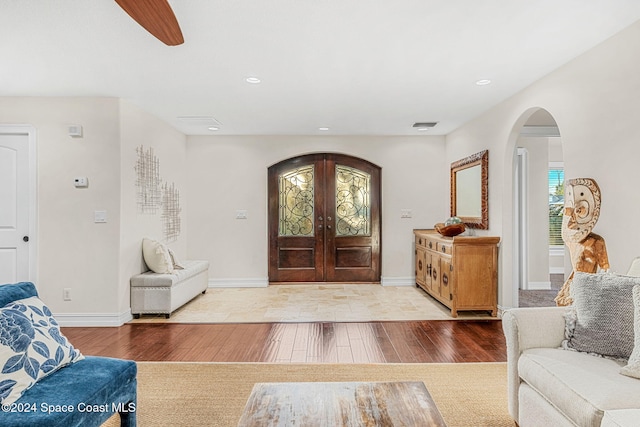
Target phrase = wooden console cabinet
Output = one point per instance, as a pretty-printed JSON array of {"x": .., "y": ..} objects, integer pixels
[{"x": 461, "y": 272}]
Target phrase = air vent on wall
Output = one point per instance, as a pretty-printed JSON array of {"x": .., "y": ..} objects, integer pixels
[
  {"x": 424, "y": 125},
  {"x": 203, "y": 121}
]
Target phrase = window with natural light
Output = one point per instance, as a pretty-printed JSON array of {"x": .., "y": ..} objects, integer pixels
[{"x": 556, "y": 203}]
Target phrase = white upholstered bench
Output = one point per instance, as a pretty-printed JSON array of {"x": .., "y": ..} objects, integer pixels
[{"x": 156, "y": 293}]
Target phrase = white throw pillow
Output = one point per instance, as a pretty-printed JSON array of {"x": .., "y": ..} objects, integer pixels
[
  {"x": 157, "y": 256},
  {"x": 177, "y": 264},
  {"x": 31, "y": 347}
]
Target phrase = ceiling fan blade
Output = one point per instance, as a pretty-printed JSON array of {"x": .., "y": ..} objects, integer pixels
[{"x": 156, "y": 17}]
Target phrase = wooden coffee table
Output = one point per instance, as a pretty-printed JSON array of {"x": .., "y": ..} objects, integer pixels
[{"x": 340, "y": 404}]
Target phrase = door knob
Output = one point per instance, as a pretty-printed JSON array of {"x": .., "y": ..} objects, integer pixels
[{"x": 25, "y": 239}]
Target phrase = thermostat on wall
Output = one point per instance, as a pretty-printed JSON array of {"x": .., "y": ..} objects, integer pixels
[{"x": 81, "y": 181}]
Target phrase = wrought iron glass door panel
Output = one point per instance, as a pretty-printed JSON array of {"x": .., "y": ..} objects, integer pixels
[{"x": 324, "y": 220}]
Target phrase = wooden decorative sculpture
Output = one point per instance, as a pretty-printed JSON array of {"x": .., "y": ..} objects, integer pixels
[{"x": 588, "y": 250}]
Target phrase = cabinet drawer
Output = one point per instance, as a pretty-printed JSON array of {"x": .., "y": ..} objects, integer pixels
[
  {"x": 430, "y": 244},
  {"x": 444, "y": 248},
  {"x": 421, "y": 241}
]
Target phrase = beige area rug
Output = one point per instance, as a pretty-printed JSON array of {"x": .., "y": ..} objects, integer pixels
[
  {"x": 312, "y": 303},
  {"x": 214, "y": 394}
]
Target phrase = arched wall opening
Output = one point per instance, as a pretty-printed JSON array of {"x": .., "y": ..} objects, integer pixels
[{"x": 533, "y": 159}]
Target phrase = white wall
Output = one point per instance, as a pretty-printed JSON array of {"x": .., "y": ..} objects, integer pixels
[
  {"x": 594, "y": 100},
  {"x": 140, "y": 128},
  {"x": 228, "y": 173},
  {"x": 73, "y": 251},
  {"x": 94, "y": 260}
]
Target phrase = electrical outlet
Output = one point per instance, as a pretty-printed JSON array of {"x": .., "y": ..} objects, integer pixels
[
  {"x": 66, "y": 294},
  {"x": 406, "y": 213},
  {"x": 241, "y": 214}
]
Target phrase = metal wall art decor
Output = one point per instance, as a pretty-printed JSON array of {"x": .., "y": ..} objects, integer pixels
[
  {"x": 147, "y": 181},
  {"x": 170, "y": 212},
  {"x": 153, "y": 195}
]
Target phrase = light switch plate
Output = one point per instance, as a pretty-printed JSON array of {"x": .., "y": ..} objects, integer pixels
[
  {"x": 100, "y": 217},
  {"x": 406, "y": 213},
  {"x": 81, "y": 181}
]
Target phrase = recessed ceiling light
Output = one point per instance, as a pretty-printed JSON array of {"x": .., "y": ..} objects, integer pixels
[
  {"x": 252, "y": 80},
  {"x": 423, "y": 129},
  {"x": 323, "y": 128},
  {"x": 213, "y": 128},
  {"x": 483, "y": 82}
]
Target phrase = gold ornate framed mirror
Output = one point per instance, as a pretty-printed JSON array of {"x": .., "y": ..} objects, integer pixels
[{"x": 470, "y": 190}]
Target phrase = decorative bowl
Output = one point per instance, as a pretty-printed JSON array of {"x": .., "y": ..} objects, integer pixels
[{"x": 450, "y": 230}]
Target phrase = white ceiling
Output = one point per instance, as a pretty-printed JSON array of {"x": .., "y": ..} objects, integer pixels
[{"x": 359, "y": 67}]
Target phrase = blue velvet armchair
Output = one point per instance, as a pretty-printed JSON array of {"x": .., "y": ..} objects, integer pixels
[{"x": 84, "y": 393}]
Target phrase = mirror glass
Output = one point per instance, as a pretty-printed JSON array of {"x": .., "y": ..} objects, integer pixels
[{"x": 469, "y": 190}]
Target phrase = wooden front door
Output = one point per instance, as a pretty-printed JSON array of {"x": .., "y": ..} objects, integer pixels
[{"x": 324, "y": 220}]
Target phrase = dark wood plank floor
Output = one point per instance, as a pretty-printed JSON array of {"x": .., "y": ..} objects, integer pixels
[{"x": 373, "y": 342}]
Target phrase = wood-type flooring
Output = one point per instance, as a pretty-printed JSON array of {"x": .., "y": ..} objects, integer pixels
[{"x": 321, "y": 342}]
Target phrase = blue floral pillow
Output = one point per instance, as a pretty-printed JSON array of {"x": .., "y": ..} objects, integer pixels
[{"x": 31, "y": 347}]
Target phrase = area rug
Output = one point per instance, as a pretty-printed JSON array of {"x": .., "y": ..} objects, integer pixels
[
  {"x": 312, "y": 303},
  {"x": 214, "y": 394}
]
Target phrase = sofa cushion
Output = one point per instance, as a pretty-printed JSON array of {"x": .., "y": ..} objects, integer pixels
[
  {"x": 581, "y": 386},
  {"x": 621, "y": 418},
  {"x": 633, "y": 367},
  {"x": 149, "y": 279},
  {"x": 31, "y": 347},
  {"x": 156, "y": 256},
  {"x": 603, "y": 307},
  {"x": 94, "y": 388}
]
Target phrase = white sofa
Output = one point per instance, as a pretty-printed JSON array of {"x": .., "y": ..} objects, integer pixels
[
  {"x": 549, "y": 386},
  {"x": 157, "y": 293}
]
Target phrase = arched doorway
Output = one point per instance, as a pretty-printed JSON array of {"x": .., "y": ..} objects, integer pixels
[
  {"x": 537, "y": 200},
  {"x": 324, "y": 219}
]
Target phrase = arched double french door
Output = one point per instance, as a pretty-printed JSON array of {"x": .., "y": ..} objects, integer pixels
[{"x": 324, "y": 219}]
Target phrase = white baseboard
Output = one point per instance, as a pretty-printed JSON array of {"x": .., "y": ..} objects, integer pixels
[
  {"x": 91, "y": 319},
  {"x": 398, "y": 281},
  {"x": 239, "y": 283},
  {"x": 538, "y": 286},
  {"x": 264, "y": 282},
  {"x": 556, "y": 270}
]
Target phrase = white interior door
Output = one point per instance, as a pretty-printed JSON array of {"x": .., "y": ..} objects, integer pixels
[{"x": 15, "y": 206}]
